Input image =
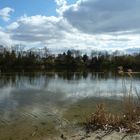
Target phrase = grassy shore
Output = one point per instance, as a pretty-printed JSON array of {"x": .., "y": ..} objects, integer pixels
[{"x": 128, "y": 121}]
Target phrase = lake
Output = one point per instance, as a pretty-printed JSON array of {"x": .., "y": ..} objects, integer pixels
[{"x": 39, "y": 105}]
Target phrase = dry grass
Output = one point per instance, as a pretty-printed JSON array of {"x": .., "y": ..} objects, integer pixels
[{"x": 128, "y": 121}]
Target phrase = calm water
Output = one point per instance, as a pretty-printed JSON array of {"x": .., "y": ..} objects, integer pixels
[{"x": 40, "y": 105}]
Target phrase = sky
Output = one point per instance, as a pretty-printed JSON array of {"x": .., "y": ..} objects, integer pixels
[{"x": 60, "y": 25}]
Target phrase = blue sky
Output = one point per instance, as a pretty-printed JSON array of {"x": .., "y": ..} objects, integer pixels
[
  {"x": 30, "y": 7},
  {"x": 71, "y": 24}
]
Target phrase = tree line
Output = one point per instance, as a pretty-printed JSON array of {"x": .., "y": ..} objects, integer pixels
[{"x": 72, "y": 60}]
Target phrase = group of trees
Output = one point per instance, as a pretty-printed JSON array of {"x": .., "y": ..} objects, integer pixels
[{"x": 71, "y": 60}]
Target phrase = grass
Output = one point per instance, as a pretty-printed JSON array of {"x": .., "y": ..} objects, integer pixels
[{"x": 128, "y": 121}]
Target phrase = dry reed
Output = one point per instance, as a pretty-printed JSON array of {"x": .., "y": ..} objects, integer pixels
[{"x": 128, "y": 121}]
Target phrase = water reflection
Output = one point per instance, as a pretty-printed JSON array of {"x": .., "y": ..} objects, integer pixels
[
  {"x": 70, "y": 84},
  {"x": 39, "y": 96}
]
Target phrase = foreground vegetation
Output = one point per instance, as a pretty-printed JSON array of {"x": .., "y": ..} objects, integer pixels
[
  {"x": 19, "y": 60},
  {"x": 128, "y": 121}
]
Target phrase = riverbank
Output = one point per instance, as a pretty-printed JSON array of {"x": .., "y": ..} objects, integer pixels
[{"x": 98, "y": 135}]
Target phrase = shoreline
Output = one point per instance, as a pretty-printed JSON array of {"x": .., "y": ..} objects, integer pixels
[{"x": 98, "y": 135}]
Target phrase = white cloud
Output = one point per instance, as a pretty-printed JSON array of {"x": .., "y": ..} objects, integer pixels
[
  {"x": 104, "y": 16},
  {"x": 12, "y": 26},
  {"x": 5, "y": 13},
  {"x": 58, "y": 35},
  {"x": 61, "y": 2},
  {"x": 62, "y": 6},
  {"x": 85, "y": 25},
  {"x": 38, "y": 28},
  {"x": 5, "y": 39}
]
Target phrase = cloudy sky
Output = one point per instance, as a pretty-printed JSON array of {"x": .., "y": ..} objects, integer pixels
[{"x": 71, "y": 24}]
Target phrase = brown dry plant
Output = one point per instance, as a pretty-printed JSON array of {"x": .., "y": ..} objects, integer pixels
[{"x": 128, "y": 121}]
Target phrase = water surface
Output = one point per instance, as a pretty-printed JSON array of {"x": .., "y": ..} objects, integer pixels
[{"x": 40, "y": 105}]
